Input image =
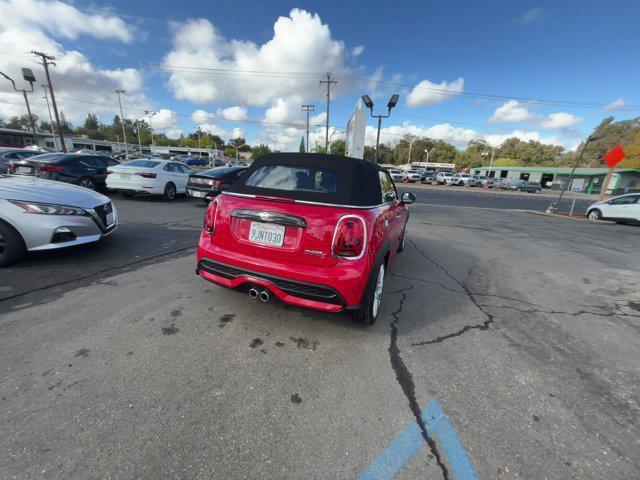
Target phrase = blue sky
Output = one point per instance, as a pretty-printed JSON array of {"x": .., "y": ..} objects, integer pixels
[{"x": 477, "y": 65}]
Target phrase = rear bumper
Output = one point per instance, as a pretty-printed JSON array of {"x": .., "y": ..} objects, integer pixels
[
  {"x": 294, "y": 292},
  {"x": 124, "y": 186}
]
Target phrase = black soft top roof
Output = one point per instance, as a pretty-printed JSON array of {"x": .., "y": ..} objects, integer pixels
[{"x": 358, "y": 180}]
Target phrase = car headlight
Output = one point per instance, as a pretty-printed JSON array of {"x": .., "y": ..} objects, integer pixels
[{"x": 48, "y": 208}]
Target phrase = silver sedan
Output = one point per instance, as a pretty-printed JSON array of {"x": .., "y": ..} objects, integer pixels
[{"x": 38, "y": 214}]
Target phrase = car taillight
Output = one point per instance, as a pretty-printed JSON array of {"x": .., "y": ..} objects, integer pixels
[
  {"x": 209, "y": 224},
  {"x": 49, "y": 168},
  {"x": 147, "y": 175},
  {"x": 349, "y": 238}
]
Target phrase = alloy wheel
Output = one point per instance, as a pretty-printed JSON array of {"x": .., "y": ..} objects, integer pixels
[{"x": 377, "y": 294}]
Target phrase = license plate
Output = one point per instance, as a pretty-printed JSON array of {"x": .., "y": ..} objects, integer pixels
[
  {"x": 267, "y": 234},
  {"x": 110, "y": 219},
  {"x": 25, "y": 170},
  {"x": 197, "y": 194}
]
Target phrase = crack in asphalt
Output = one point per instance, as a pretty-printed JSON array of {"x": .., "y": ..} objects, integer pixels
[
  {"x": 485, "y": 325},
  {"x": 405, "y": 380},
  {"x": 490, "y": 319}
]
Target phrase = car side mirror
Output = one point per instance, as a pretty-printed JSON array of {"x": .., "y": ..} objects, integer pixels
[{"x": 408, "y": 198}]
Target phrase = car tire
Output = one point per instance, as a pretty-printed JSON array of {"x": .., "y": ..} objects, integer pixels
[
  {"x": 368, "y": 313},
  {"x": 594, "y": 214},
  {"x": 169, "y": 192},
  {"x": 537, "y": 190},
  {"x": 518, "y": 189},
  {"x": 87, "y": 182},
  {"x": 12, "y": 246}
]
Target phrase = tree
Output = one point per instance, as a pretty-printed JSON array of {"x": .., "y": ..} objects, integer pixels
[
  {"x": 23, "y": 122},
  {"x": 91, "y": 122},
  {"x": 633, "y": 154},
  {"x": 230, "y": 152},
  {"x": 338, "y": 147},
  {"x": 188, "y": 142},
  {"x": 259, "y": 151},
  {"x": 301, "y": 148}
]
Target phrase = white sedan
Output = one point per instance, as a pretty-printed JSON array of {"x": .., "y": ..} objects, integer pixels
[
  {"x": 625, "y": 208},
  {"x": 149, "y": 176}
]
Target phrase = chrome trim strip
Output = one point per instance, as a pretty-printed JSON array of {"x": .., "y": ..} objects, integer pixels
[
  {"x": 269, "y": 217},
  {"x": 307, "y": 202}
]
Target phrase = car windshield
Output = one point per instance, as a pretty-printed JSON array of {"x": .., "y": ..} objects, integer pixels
[
  {"x": 280, "y": 177},
  {"x": 142, "y": 163}
]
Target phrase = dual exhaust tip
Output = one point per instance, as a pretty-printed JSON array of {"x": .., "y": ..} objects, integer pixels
[{"x": 263, "y": 295}]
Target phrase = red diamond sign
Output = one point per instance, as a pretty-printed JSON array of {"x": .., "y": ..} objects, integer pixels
[{"x": 615, "y": 156}]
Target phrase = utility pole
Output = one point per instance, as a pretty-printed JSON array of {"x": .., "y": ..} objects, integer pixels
[
  {"x": 308, "y": 108},
  {"x": 53, "y": 132},
  {"x": 124, "y": 133},
  {"x": 328, "y": 81},
  {"x": 46, "y": 61}
]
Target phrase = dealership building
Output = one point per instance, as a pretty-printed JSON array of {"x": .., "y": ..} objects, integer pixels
[{"x": 587, "y": 180}]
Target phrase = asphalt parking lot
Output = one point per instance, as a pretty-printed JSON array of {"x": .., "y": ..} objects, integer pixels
[{"x": 514, "y": 338}]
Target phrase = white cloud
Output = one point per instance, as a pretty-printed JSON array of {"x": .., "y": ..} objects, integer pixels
[
  {"x": 531, "y": 16},
  {"x": 616, "y": 104},
  {"x": 560, "y": 120},
  {"x": 285, "y": 110},
  {"x": 428, "y": 93},
  {"x": 391, "y": 135},
  {"x": 301, "y": 42},
  {"x": 201, "y": 116},
  {"x": 496, "y": 139},
  {"x": 64, "y": 20},
  {"x": 511, "y": 111},
  {"x": 236, "y": 113},
  {"x": 357, "y": 50},
  {"x": 237, "y": 132},
  {"x": 165, "y": 120},
  {"x": 32, "y": 25}
]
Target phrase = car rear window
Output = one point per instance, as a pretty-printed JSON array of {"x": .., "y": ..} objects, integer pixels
[
  {"x": 142, "y": 163},
  {"x": 293, "y": 178}
]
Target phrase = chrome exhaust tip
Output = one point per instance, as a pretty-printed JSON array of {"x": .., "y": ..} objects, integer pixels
[
  {"x": 253, "y": 293},
  {"x": 264, "y": 296}
]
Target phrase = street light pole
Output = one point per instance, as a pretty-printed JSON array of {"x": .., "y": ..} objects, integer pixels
[
  {"x": 124, "y": 133},
  {"x": 139, "y": 141},
  {"x": 553, "y": 206},
  {"x": 238, "y": 147},
  {"x": 150, "y": 115},
  {"x": 392, "y": 103},
  {"x": 27, "y": 74}
]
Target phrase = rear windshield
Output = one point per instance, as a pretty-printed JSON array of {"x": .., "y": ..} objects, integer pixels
[
  {"x": 142, "y": 163},
  {"x": 294, "y": 178}
]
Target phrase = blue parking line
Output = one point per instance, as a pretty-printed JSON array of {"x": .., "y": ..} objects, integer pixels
[{"x": 409, "y": 441}]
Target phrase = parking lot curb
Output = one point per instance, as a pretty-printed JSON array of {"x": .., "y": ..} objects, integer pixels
[{"x": 579, "y": 218}]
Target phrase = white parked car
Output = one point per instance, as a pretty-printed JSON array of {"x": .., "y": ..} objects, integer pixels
[
  {"x": 149, "y": 176},
  {"x": 413, "y": 175},
  {"x": 441, "y": 177},
  {"x": 396, "y": 175},
  {"x": 625, "y": 208},
  {"x": 459, "y": 179}
]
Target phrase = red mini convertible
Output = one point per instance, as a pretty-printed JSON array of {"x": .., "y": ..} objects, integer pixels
[{"x": 317, "y": 231}]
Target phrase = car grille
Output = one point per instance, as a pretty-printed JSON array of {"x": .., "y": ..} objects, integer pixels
[
  {"x": 102, "y": 211},
  {"x": 309, "y": 291}
]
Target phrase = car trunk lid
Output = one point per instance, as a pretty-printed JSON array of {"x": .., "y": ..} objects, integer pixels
[{"x": 278, "y": 228}]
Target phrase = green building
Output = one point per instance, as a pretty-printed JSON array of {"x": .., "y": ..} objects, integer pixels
[{"x": 587, "y": 180}]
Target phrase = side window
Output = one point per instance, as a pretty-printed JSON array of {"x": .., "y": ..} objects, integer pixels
[
  {"x": 111, "y": 162},
  {"x": 185, "y": 169},
  {"x": 14, "y": 155},
  {"x": 90, "y": 162},
  {"x": 171, "y": 167},
  {"x": 389, "y": 194}
]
